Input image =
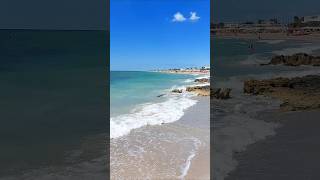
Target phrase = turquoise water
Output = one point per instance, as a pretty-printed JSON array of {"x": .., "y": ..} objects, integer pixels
[
  {"x": 130, "y": 88},
  {"x": 135, "y": 102}
]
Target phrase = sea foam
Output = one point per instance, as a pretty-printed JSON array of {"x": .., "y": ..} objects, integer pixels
[
  {"x": 309, "y": 49},
  {"x": 151, "y": 114}
]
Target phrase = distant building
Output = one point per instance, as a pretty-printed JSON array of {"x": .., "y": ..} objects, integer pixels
[
  {"x": 205, "y": 68},
  {"x": 308, "y": 19}
]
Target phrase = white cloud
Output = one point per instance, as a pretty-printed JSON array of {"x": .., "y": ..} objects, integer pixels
[
  {"x": 193, "y": 16},
  {"x": 178, "y": 17}
]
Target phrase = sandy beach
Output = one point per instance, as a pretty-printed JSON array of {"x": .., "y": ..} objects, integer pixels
[
  {"x": 293, "y": 153},
  {"x": 178, "y": 150}
]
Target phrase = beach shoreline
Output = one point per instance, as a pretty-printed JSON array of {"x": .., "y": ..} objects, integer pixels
[
  {"x": 292, "y": 153},
  {"x": 170, "y": 138},
  {"x": 268, "y": 36},
  {"x": 274, "y": 156},
  {"x": 166, "y": 143}
]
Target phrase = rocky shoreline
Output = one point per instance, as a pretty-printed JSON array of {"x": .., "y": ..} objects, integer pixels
[
  {"x": 298, "y": 93},
  {"x": 295, "y": 60},
  {"x": 204, "y": 89}
]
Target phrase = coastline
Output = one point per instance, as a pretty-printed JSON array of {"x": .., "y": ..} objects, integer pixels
[
  {"x": 268, "y": 36},
  {"x": 172, "y": 150},
  {"x": 162, "y": 145},
  {"x": 292, "y": 144}
]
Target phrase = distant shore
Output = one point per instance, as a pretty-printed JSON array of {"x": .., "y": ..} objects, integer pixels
[
  {"x": 192, "y": 72},
  {"x": 268, "y": 36}
]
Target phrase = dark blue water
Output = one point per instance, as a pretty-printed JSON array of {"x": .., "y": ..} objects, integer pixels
[{"x": 53, "y": 89}]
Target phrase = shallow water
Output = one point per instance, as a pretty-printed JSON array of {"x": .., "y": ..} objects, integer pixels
[{"x": 135, "y": 102}]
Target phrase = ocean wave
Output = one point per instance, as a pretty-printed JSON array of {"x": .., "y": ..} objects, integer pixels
[
  {"x": 188, "y": 80},
  {"x": 151, "y": 114},
  {"x": 309, "y": 49},
  {"x": 272, "y": 41},
  {"x": 204, "y": 77},
  {"x": 254, "y": 59}
]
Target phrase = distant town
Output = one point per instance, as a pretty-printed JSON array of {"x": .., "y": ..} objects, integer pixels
[
  {"x": 189, "y": 70},
  {"x": 298, "y": 26}
]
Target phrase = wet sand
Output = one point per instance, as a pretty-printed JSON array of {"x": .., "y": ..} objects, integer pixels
[
  {"x": 199, "y": 116},
  {"x": 293, "y": 153},
  {"x": 178, "y": 150}
]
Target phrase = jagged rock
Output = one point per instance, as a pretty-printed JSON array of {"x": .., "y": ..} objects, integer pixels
[
  {"x": 202, "y": 80},
  {"x": 295, "y": 60},
  {"x": 220, "y": 93},
  {"x": 299, "y": 93},
  {"x": 261, "y": 86},
  {"x": 177, "y": 91},
  {"x": 200, "y": 90}
]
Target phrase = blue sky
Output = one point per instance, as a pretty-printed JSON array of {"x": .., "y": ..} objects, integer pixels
[{"x": 150, "y": 34}]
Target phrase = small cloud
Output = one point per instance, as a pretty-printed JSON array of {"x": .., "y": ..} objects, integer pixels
[
  {"x": 193, "y": 16},
  {"x": 178, "y": 17}
]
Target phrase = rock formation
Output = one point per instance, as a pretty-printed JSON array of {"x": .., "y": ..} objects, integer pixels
[
  {"x": 200, "y": 90},
  {"x": 220, "y": 93},
  {"x": 295, "y": 60},
  {"x": 202, "y": 80},
  {"x": 299, "y": 93},
  {"x": 177, "y": 91}
]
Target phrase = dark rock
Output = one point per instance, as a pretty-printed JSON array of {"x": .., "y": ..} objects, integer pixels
[
  {"x": 299, "y": 93},
  {"x": 200, "y": 90},
  {"x": 202, "y": 80},
  {"x": 161, "y": 95},
  {"x": 177, "y": 91},
  {"x": 295, "y": 60},
  {"x": 220, "y": 93}
]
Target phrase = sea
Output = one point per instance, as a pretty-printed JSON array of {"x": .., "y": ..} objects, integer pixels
[
  {"x": 139, "y": 98},
  {"x": 53, "y": 104},
  {"x": 153, "y": 133},
  {"x": 238, "y": 122}
]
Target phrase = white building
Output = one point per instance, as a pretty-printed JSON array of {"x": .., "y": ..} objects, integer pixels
[{"x": 307, "y": 19}]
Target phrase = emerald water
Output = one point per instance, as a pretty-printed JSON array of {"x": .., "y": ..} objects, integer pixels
[{"x": 135, "y": 102}]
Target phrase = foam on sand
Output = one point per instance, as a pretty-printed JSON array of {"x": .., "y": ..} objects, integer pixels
[
  {"x": 185, "y": 168},
  {"x": 151, "y": 114}
]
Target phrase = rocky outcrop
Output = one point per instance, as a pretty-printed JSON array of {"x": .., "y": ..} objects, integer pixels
[
  {"x": 200, "y": 90},
  {"x": 202, "y": 80},
  {"x": 220, "y": 93},
  {"x": 295, "y": 60},
  {"x": 299, "y": 93},
  {"x": 177, "y": 91},
  {"x": 258, "y": 87}
]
